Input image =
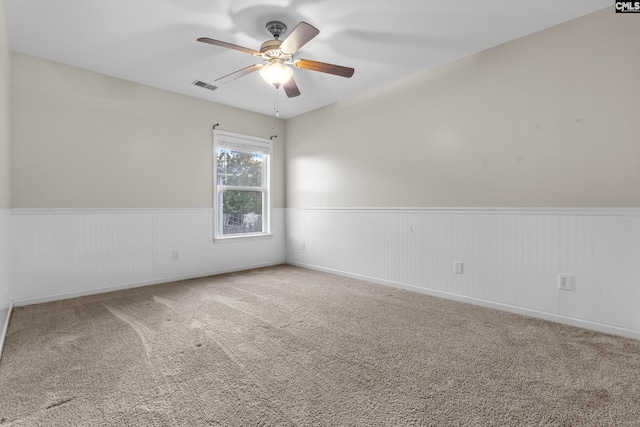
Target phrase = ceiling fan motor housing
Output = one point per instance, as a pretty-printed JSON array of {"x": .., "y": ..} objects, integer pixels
[{"x": 271, "y": 50}]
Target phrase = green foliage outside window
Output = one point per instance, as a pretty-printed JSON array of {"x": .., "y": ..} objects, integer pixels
[{"x": 240, "y": 169}]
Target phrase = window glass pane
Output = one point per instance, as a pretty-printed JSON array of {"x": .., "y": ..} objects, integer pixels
[
  {"x": 239, "y": 168},
  {"x": 241, "y": 212}
]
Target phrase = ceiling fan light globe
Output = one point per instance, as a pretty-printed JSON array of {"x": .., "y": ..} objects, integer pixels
[{"x": 276, "y": 73}]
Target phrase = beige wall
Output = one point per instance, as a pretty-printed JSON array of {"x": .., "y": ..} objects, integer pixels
[
  {"x": 5, "y": 98},
  {"x": 547, "y": 120},
  {"x": 86, "y": 140}
]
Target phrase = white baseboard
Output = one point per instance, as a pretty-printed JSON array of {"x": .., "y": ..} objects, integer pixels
[
  {"x": 594, "y": 326},
  {"x": 105, "y": 289},
  {"x": 4, "y": 319}
]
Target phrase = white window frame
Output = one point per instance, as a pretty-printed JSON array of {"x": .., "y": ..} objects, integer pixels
[{"x": 246, "y": 143}]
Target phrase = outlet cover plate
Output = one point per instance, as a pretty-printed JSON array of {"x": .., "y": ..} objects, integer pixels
[
  {"x": 457, "y": 267},
  {"x": 565, "y": 282}
]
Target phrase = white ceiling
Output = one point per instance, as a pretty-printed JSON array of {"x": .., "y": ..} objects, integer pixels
[{"x": 153, "y": 42}]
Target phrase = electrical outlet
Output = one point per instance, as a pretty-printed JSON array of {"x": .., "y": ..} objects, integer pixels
[
  {"x": 565, "y": 282},
  {"x": 457, "y": 267},
  {"x": 175, "y": 255},
  {"x": 302, "y": 246}
]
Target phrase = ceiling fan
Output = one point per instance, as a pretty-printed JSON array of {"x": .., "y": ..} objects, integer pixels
[{"x": 277, "y": 54}]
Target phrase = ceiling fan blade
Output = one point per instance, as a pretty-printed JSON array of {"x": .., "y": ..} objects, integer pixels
[
  {"x": 229, "y": 46},
  {"x": 300, "y": 36},
  {"x": 237, "y": 74},
  {"x": 291, "y": 88},
  {"x": 323, "y": 67}
]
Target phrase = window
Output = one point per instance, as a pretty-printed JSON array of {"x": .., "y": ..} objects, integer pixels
[{"x": 242, "y": 185}]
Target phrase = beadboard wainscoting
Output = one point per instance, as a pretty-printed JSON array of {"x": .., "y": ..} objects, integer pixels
[
  {"x": 510, "y": 258},
  {"x": 5, "y": 299},
  {"x": 63, "y": 253}
]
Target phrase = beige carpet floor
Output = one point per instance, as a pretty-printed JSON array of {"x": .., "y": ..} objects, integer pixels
[{"x": 285, "y": 346}]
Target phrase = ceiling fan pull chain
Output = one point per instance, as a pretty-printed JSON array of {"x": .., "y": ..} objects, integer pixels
[{"x": 276, "y": 111}]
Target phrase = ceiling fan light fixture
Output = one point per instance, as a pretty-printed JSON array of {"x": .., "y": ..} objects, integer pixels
[
  {"x": 276, "y": 73},
  {"x": 277, "y": 55}
]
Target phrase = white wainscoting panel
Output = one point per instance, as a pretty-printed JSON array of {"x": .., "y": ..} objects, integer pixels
[
  {"x": 58, "y": 253},
  {"x": 603, "y": 254},
  {"x": 63, "y": 253},
  {"x": 4, "y": 259},
  {"x": 5, "y": 298},
  {"x": 190, "y": 233},
  {"x": 511, "y": 257}
]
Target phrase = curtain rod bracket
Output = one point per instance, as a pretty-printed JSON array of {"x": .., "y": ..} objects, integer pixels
[{"x": 215, "y": 126}]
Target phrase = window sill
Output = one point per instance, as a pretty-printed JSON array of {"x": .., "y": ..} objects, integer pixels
[{"x": 242, "y": 238}]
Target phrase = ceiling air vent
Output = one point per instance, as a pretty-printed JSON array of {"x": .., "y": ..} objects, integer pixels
[{"x": 205, "y": 85}]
